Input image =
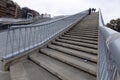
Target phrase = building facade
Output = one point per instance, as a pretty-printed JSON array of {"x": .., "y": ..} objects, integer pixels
[{"x": 10, "y": 9}]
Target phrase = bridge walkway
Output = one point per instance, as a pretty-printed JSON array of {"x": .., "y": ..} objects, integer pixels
[{"x": 71, "y": 56}]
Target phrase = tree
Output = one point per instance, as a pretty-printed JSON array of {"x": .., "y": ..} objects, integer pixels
[
  {"x": 118, "y": 24},
  {"x": 114, "y": 24}
]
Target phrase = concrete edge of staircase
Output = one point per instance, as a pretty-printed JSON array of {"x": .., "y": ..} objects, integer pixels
[{"x": 4, "y": 75}]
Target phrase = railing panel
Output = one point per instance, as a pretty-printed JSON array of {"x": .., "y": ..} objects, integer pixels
[
  {"x": 23, "y": 38},
  {"x": 109, "y": 52}
]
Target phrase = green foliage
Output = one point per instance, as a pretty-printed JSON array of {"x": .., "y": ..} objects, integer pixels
[{"x": 114, "y": 24}]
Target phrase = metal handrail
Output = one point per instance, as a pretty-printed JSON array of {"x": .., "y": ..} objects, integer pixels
[
  {"x": 24, "y": 38},
  {"x": 109, "y": 52}
]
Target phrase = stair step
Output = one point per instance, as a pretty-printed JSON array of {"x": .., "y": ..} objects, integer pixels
[
  {"x": 76, "y": 33},
  {"x": 78, "y": 43},
  {"x": 85, "y": 31},
  {"x": 81, "y": 37},
  {"x": 84, "y": 49},
  {"x": 60, "y": 69},
  {"x": 17, "y": 72},
  {"x": 86, "y": 28},
  {"x": 74, "y": 61},
  {"x": 80, "y": 34},
  {"x": 89, "y": 36},
  {"x": 37, "y": 72},
  {"x": 79, "y": 40},
  {"x": 80, "y": 54},
  {"x": 27, "y": 70},
  {"x": 4, "y": 75}
]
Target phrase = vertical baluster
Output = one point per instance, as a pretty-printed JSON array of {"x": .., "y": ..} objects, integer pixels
[
  {"x": 38, "y": 35},
  {"x": 49, "y": 35},
  {"x": 11, "y": 43},
  {"x": 43, "y": 35},
  {"x": 34, "y": 36},
  {"x": 19, "y": 45},
  {"x": 13, "y": 33},
  {"x": 40, "y": 32},
  {"x": 7, "y": 42},
  {"x": 29, "y": 42},
  {"x": 25, "y": 37}
]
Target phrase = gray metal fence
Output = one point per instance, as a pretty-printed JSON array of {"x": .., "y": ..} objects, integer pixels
[
  {"x": 109, "y": 52},
  {"x": 23, "y": 38}
]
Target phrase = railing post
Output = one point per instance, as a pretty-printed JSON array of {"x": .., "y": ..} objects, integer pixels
[{"x": 24, "y": 38}]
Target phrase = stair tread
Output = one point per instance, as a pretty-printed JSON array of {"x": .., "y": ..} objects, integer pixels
[
  {"x": 27, "y": 70},
  {"x": 4, "y": 75},
  {"x": 81, "y": 48},
  {"x": 78, "y": 43},
  {"x": 84, "y": 30},
  {"x": 61, "y": 69},
  {"x": 17, "y": 72},
  {"x": 80, "y": 54},
  {"x": 76, "y": 33},
  {"x": 81, "y": 37},
  {"x": 80, "y": 40},
  {"x": 74, "y": 61}
]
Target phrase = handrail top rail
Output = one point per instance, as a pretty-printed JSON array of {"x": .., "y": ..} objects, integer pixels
[{"x": 112, "y": 39}]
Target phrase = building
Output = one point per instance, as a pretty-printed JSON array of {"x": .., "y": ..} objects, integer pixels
[
  {"x": 29, "y": 13},
  {"x": 19, "y": 12},
  {"x": 3, "y": 8},
  {"x": 10, "y": 9}
]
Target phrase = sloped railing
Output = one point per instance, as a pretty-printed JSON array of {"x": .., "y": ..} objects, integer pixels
[
  {"x": 24, "y": 38},
  {"x": 109, "y": 52}
]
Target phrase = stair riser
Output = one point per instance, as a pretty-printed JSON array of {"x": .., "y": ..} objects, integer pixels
[
  {"x": 89, "y": 36},
  {"x": 87, "y": 31},
  {"x": 77, "y": 43},
  {"x": 94, "y": 34},
  {"x": 79, "y": 37},
  {"x": 70, "y": 63},
  {"x": 49, "y": 69},
  {"x": 91, "y": 51},
  {"x": 85, "y": 41},
  {"x": 58, "y": 68},
  {"x": 75, "y": 54}
]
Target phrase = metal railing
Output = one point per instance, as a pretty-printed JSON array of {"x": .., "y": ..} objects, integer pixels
[
  {"x": 109, "y": 52},
  {"x": 23, "y": 38}
]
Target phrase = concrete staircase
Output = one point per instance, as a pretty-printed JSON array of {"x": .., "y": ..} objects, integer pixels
[{"x": 71, "y": 56}]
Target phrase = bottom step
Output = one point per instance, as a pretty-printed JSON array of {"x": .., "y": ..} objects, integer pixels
[
  {"x": 4, "y": 75},
  {"x": 28, "y": 70},
  {"x": 62, "y": 70}
]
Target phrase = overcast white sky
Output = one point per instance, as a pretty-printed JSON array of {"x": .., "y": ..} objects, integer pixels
[{"x": 109, "y": 8}]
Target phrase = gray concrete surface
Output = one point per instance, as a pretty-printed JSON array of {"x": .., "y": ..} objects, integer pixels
[
  {"x": 60, "y": 69},
  {"x": 27, "y": 70},
  {"x": 78, "y": 43},
  {"x": 72, "y": 60},
  {"x": 65, "y": 60},
  {"x": 74, "y": 52}
]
